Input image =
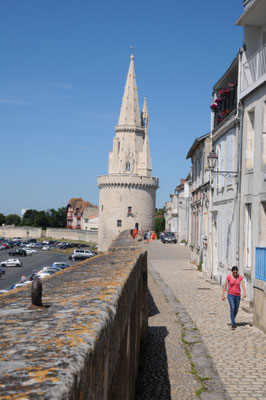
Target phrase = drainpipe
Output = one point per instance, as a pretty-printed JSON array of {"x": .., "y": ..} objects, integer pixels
[{"x": 239, "y": 160}]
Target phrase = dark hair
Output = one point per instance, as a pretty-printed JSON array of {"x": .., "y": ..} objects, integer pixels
[{"x": 234, "y": 269}]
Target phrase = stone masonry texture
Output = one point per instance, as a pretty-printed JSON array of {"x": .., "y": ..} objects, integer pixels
[
  {"x": 189, "y": 326},
  {"x": 85, "y": 343}
]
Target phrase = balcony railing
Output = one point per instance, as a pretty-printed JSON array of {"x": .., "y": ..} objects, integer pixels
[
  {"x": 260, "y": 266},
  {"x": 253, "y": 69},
  {"x": 247, "y": 3},
  {"x": 225, "y": 106}
]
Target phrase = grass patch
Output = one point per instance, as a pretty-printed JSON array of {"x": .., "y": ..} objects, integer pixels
[{"x": 199, "y": 391}]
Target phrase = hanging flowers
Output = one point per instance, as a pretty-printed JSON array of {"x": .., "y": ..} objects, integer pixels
[
  {"x": 224, "y": 92},
  {"x": 213, "y": 107},
  {"x": 225, "y": 113}
]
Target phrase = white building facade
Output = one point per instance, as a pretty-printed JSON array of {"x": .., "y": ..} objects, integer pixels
[
  {"x": 252, "y": 97},
  {"x": 128, "y": 193},
  {"x": 199, "y": 203},
  {"x": 225, "y": 178}
]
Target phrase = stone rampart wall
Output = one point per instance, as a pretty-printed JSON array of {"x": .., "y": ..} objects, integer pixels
[
  {"x": 72, "y": 234},
  {"x": 25, "y": 232},
  {"x": 85, "y": 343},
  {"x": 28, "y": 232}
]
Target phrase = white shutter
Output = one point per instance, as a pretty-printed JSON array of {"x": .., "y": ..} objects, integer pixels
[
  {"x": 229, "y": 239},
  {"x": 222, "y": 165},
  {"x": 220, "y": 237},
  {"x": 229, "y": 158}
]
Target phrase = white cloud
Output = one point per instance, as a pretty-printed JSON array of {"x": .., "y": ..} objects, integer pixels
[
  {"x": 14, "y": 101},
  {"x": 66, "y": 85}
]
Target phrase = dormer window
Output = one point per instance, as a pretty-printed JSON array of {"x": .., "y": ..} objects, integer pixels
[{"x": 127, "y": 166}]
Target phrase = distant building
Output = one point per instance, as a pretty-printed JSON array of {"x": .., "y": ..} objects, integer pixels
[
  {"x": 79, "y": 211},
  {"x": 199, "y": 203},
  {"x": 23, "y": 211}
]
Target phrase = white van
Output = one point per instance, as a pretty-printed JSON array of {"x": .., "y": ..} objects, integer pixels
[{"x": 81, "y": 254}]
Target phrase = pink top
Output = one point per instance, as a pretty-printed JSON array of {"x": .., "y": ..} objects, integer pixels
[{"x": 234, "y": 285}]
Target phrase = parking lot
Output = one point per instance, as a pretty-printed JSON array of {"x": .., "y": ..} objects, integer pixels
[{"x": 31, "y": 264}]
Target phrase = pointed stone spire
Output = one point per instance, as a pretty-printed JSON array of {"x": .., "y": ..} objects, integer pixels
[
  {"x": 145, "y": 116},
  {"x": 129, "y": 112},
  {"x": 145, "y": 167}
]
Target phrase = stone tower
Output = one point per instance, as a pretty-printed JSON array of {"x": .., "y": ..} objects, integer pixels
[{"x": 127, "y": 194}]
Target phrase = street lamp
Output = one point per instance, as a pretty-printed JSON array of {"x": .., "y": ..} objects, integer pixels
[{"x": 212, "y": 161}]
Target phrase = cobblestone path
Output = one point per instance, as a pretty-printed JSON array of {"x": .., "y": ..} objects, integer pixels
[{"x": 191, "y": 339}]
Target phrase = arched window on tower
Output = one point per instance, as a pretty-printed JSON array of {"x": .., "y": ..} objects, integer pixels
[{"x": 127, "y": 166}]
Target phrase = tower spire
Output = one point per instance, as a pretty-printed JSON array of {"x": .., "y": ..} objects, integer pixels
[
  {"x": 129, "y": 112},
  {"x": 145, "y": 167}
]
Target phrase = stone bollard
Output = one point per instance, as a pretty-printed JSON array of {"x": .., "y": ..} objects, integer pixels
[{"x": 36, "y": 294}]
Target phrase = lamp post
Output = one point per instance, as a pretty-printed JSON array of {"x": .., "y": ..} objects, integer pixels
[{"x": 212, "y": 161}]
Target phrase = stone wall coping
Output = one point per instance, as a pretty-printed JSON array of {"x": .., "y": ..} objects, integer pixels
[{"x": 44, "y": 350}]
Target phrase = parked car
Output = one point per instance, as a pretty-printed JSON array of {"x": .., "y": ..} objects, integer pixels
[
  {"x": 43, "y": 273},
  {"x": 47, "y": 247},
  {"x": 169, "y": 237},
  {"x": 29, "y": 251},
  {"x": 17, "y": 285},
  {"x": 11, "y": 262},
  {"x": 81, "y": 254},
  {"x": 49, "y": 269},
  {"x": 61, "y": 265},
  {"x": 18, "y": 252}
]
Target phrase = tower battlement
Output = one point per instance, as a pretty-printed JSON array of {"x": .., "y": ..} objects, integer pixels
[{"x": 120, "y": 180}]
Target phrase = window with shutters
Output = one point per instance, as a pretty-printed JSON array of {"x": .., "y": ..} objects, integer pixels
[
  {"x": 229, "y": 239},
  {"x": 262, "y": 222},
  {"x": 222, "y": 164},
  {"x": 229, "y": 158},
  {"x": 220, "y": 237},
  {"x": 218, "y": 165},
  {"x": 248, "y": 234},
  {"x": 250, "y": 127},
  {"x": 264, "y": 135}
]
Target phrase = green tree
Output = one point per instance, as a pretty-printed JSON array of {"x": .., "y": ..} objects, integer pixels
[
  {"x": 57, "y": 218},
  {"x": 159, "y": 225},
  {"x": 28, "y": 218},
  {"x": 2, "y": 219},
  {"x": 13, "y": 219},
  {"x": 41, "y": 219}
]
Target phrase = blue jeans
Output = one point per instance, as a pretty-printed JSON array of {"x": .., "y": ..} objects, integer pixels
[{"x": 234, "y": 302}]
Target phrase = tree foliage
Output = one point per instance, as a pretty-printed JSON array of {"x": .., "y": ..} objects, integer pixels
[
  {"x": 159, "y": 225},
  {"x": 12, "y": 219},
  {"x": 51, "y": 218},
  {"x": 2, "y": 219}
]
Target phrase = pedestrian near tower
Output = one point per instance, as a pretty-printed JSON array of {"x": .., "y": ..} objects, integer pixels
[{"x": 233, "y": 281}]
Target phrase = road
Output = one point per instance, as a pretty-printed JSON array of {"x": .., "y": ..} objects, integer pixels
[{"x": 30, "y": 264}]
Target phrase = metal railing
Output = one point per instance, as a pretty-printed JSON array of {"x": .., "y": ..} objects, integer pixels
[
  {"x": 260, "y": 263},
  {"x": 247, "y": 3},
  {"x": 254, "y": 68}
]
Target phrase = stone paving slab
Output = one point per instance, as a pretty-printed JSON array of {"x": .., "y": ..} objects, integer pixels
[{"x": 239, "y": 356}]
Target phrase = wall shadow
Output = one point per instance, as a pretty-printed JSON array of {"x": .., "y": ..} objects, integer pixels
[
  {"x": 152, "y": 308},
  {"x": 153, "y": 379}
]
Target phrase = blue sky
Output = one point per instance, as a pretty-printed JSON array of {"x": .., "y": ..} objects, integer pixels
[{"x": 63, "y": 70}]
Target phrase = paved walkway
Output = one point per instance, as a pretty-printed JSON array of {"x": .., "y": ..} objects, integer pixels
[{"x": 192, "y": 351}]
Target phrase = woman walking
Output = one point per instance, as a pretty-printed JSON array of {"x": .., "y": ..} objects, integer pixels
[{"x": 234, "y": 281}]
